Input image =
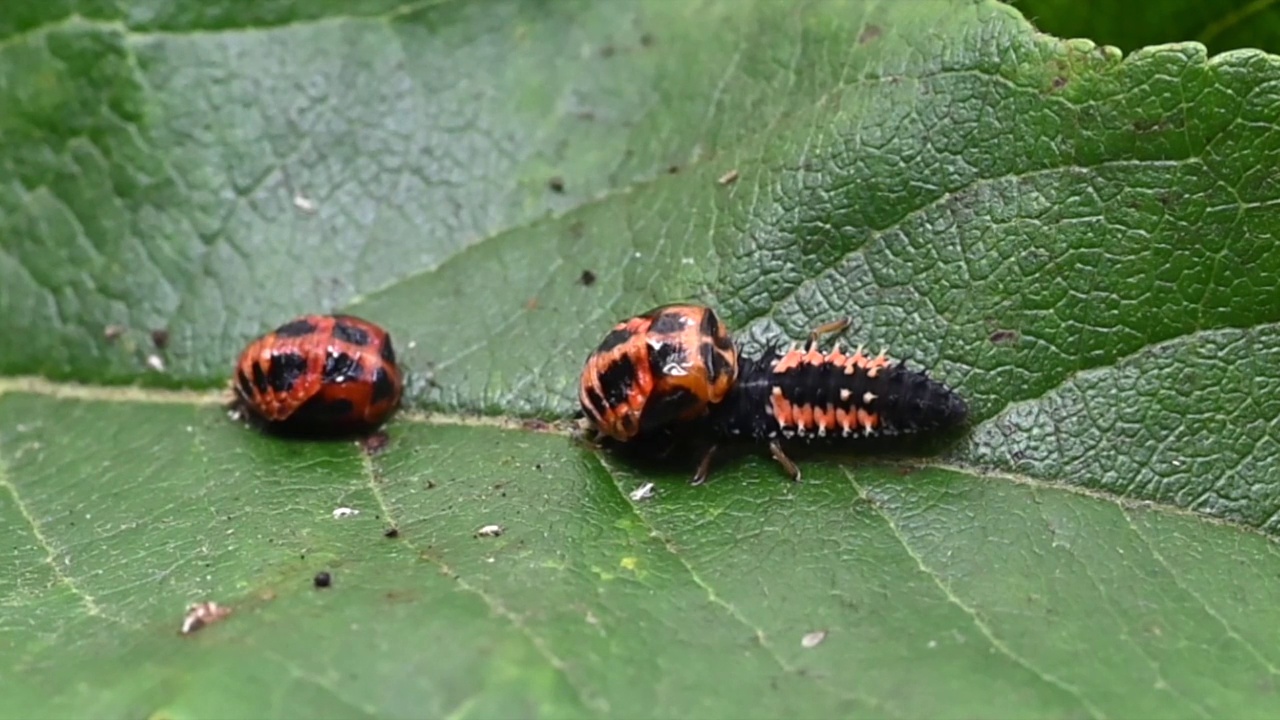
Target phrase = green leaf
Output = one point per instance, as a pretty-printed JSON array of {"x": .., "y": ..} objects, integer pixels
[
  {"x": 1082, "y": 243},
  {"x": 1220, "y": 24}
]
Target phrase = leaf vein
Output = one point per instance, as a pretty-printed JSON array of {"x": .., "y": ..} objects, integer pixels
[
  {"x": 982, "y": 626},
  {"x": 1177, "y": 580},
  {"x": 731, "y": 610},
  {"x": 50, "y": 554},
  {"x": 496, "y": 606}
]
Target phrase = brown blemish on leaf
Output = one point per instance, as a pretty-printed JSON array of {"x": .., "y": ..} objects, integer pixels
[
  {"x": 869, "y": 33},
  {"x": 1003, "y": 337}
]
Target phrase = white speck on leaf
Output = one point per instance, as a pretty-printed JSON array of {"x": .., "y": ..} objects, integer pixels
[
  {"x": 644, "y": 492},
  {"x": 344, "y": 512},
  {"x": 813, "y": 639},
  {"x": 932, "y": 644},
  {"x": 155, "y": 362},
  {"x": 728, "y": 178},
  {"x": 413, "y": 344},
  {"x": 304, "y": 203},
  {"x": 489, "y": 531}
]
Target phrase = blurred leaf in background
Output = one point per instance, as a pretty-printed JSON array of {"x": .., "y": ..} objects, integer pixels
[{"x": 1220, "y": 25}]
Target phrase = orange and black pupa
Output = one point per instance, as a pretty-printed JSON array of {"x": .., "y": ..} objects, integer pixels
[{"x": 665, "y": 366}]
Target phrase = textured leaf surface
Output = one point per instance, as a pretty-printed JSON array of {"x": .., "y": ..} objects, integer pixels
[{"x": 1083, "y": 244}]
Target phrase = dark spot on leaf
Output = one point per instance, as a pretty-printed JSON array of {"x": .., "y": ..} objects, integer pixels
[
  {"x": 587, "y": 278},
  {"x": 296, "y": 328},
  {"x": 1003, "y": 337},
  {"x": 160, "y": 338},
  {"x": 322, "y": 579},
  {"x": 351, "y": 333},
  {"x": 576, "y": 229},
  {"x": 556, "y": 184},
  {"x": 608, "y": 51},
  {"x": 431, "y": 484},
  {"x": 646, "y": 39},
  {"x": 392, "y": 533},
  {"x": 340, "y": 367},
  {"x": 673, "y": 169},
  {"x": 1059, "y": 82},
  {"x": 383, "y": 388},
  {"x": 869, "y": 33}
]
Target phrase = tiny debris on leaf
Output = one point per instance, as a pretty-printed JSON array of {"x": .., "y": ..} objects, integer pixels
[
  {"x": 304, "y": 203},
  {"x": 489, "y": 531},
  {"x": 728, "y": 178},
  {"x": 587, "y": 278},
  {"x": 200, "y": 615},
  {"x": 391, "y": 533},
  {"x": 111, "y": 333},
  {"x": 644, "y": 492},
  {"x": 556, "y": 184},
  {"x": 155, "y": 362},
  {"x": 813, "y": 639},
  {"x": 344, "y": 512},
  {"x": 374, "y": 443},
  {"x": 160, "y": 338},
  {"x": 1003, "y": 337},
  {"x": 322, "y": 579}
]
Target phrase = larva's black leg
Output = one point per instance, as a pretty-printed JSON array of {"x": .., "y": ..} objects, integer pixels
[
  {"x": 775, "y": 449},
  {"x": 704, "y": 467}
]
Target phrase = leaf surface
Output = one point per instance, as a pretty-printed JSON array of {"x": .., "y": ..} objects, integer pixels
[{"x": 1082, "y": 243}]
